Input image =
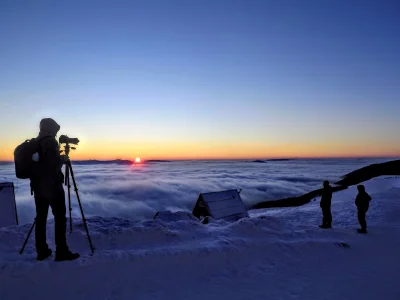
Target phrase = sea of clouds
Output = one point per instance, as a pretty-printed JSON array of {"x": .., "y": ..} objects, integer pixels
[{"x": 138, "y": 191}]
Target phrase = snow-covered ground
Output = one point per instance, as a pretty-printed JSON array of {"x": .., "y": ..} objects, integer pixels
[{"x": 274, "y": 254}]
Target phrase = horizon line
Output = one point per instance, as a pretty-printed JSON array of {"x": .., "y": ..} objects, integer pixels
[{"x": 250, "y": 158}]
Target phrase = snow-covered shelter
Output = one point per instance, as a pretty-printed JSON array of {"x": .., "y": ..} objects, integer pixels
[
  {"x": 8, "y": 207},
  {"x": 220, "y": 205}
]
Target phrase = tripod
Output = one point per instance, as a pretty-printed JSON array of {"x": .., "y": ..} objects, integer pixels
[{"x": 68, "y": 171}]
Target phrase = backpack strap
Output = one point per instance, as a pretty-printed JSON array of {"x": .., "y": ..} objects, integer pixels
[
  {"x": 39, "y": 141},
  {"x": 40, "y": 151}
]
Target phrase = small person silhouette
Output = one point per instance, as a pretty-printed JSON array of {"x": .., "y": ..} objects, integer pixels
[
  {"x": 325, "y": 205},
  {"x": 362, "y": 203}
]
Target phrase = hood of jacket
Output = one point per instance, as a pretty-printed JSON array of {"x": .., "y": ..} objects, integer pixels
[{"x": 48, "y": 127}]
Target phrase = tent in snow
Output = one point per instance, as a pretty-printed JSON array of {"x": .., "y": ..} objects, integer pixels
[
  {"x": 220, "y": 205},
  {"x": 8, "y": 208}
]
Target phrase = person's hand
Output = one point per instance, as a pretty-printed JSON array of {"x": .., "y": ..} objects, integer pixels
[{"x": 35, "y": 157}]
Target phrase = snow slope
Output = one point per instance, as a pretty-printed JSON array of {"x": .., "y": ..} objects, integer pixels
[{"x": 275, "y": 254}]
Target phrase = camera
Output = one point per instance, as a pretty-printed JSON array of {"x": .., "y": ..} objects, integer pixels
[{"x": 64, "y": 139}]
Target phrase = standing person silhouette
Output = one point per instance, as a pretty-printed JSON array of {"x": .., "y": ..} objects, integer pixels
[
  {"x": 362, "y": 203},
  {"x": 49, "y": 192},
  {"x": 325, "y": 205}
]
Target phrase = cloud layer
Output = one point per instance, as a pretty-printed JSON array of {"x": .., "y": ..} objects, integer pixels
[{"x": 139, "y": 191}]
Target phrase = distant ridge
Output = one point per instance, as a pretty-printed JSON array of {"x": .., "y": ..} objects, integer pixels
[
  {"x": 157, "y": 161},
  {"x": 272, "y": 159},
  {"x": 101, "y": 162},
  {"x": 115, "y": 161},
  {"x": 279, "y": 159}
]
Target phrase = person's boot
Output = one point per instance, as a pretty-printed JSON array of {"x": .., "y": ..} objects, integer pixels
[
  {"x": 324, "y": 226},
  {"x": 42, "y": 255},
  {"x": 362, "y": 230},
  {"x": 65, "y": 254}
]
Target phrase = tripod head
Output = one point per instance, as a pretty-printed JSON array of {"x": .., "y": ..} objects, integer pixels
[
  {"x": 64, "y": 139},
  {"x": 67, "y": 149}
]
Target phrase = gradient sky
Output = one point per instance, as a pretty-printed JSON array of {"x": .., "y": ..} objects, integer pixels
[{"x": 203, "y": 79}]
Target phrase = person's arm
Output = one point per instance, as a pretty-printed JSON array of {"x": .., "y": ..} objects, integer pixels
[
  {"x": 52, "y": 154},
  {"x": 369, "y": 198}
]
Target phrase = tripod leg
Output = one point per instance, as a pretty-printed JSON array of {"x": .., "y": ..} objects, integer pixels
[
  {"x": 27, "y": 238},
  {"x": 69, "y": 197},
  {"x": 80, "y": 206}
]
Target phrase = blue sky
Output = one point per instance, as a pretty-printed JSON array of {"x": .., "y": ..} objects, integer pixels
[{"x": 255, "y": 75}]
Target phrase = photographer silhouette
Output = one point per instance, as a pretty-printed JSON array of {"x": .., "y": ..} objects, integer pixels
[{"x": 48, "y": 190}]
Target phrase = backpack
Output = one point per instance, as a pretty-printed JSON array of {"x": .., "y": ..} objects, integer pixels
[{"x": 25, "y": 166}]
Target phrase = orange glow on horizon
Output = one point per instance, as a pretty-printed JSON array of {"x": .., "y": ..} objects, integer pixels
[{"x": 175, "y": 150}]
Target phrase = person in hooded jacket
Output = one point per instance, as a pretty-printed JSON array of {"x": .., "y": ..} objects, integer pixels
[
  {"x": 325, "y": 205},
  {"x": 362, "y": 203},
  {"x": 48, "y": 190}
]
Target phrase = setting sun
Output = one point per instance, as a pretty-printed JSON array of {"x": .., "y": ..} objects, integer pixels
[{"x": 137, "y": 160}]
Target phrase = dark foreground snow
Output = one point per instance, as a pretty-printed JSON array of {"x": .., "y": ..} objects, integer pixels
[{"x": 275, "y": 254}]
